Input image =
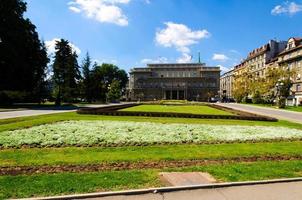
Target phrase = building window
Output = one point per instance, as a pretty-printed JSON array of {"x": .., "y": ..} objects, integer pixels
[{"x": 298, "y": 88}]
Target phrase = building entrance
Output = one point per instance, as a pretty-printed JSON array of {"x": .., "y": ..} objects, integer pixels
[{"x": 175, "y": 94}]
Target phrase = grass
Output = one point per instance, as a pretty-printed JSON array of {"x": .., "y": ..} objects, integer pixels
[
  {"x": 250, "y": 171},
  {"x": 69, "y": 183},
  {"x": 25, "y": 122},
  {"x": 290, "y": 108},
  {"x": 294, "y": 108},
  {"x": 93, "y": 155},
  {"x": 192, "y": 109}
]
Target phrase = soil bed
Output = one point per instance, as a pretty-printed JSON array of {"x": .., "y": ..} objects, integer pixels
[{"x": 135, "y": 165}]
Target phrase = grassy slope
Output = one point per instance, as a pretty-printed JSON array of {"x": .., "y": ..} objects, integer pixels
[
  {"x": 73, "y": 155},
  {"x": 25, "y": 122},
  {"x": 70, "y": 183},
  {"x": 192, "y": 109}
]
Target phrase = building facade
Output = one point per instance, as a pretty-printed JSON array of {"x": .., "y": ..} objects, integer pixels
[
  {"x": 226, "y": 82},
  {"x": 291, "y": 58},
  {"x": 257, "y": 60},
  {"x": 179, "y": 81},
  {"x": 275, "y": 53}
]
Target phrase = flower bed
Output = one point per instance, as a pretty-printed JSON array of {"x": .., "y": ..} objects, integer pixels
[{"x": 115, "y": 133}]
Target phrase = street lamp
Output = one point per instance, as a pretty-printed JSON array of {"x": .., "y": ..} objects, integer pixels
[
  {"x": 279, "y": 95},
  {"x": 108, "y": 88}
]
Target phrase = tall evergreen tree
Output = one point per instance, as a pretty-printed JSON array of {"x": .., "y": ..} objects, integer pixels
[
  {"x": 66, "y": 73},
  {"x": 23, "y": 57},
  {"x": 87, "y": 93}
]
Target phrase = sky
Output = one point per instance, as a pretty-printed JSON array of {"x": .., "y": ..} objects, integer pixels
[{"x": 132, "y": 33}]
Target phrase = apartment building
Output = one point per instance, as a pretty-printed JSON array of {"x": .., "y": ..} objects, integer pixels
[
  {"x": 257, "y": 60},
  {"x": 291, "y": 58},
  {"x": 226, "y": 81}
]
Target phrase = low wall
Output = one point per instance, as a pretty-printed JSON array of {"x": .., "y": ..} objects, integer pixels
[
  {"x": 111, "y": 108},
  {"x": 114, "y": 111}
]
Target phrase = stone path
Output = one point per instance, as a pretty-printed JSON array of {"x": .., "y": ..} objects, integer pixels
[
  {"x": 274, "y": 191},
  {"x": 186, "y": 178},
  {"x": 42, "y": 111},
  {"x": 271, "y": 112}
]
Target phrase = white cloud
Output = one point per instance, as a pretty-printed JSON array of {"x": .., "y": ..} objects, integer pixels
[
  {"x": 158, "y": 60},
  {"x": 185, "y": 58},
  {"x": 74, "y": 9},
  {"x": 223, "y": 69},
  {"x": 109, "y": 61},
  {"x": 234, "y": 51},
  {"x": 287, "y": 7},
  {"x": 103, "y": 11},
  {"x": 220, "y": 57},
  {"x": 181, "y": 37},
  {"x": 51, "y": 44}
]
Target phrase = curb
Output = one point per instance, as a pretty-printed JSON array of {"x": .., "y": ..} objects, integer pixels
[{"x": 167, "y": 189}]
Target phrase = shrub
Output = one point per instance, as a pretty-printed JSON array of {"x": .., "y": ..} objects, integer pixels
[
  {"x": 257, "y": 99},
  {"x": 9, "y": 97}
]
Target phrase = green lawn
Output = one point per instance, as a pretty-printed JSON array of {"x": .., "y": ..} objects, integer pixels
[
  {"x": 290, "y": 108},
  {"x": 192, "y": 109},
  {"x": 294, "y": 108},
  {"x": 93, "y": 155},
  {"x": 69, "y": 183},
  {"x": 25, "y": 122}
]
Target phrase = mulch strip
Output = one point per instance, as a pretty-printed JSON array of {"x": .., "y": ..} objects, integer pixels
[
  {"x": 116, "y": 166},
  {"x": 139, "y": 144}
]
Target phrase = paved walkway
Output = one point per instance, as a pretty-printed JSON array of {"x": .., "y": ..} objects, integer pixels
[
  {"x": 42, "y": 111},
  {"x": 271, "y": 112},
  {"x": 274, "y": 191}
]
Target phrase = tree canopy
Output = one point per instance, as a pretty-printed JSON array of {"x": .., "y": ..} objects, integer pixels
[
  {"x": 23, "y": 57},
  {"x": 66, "y": 73}
]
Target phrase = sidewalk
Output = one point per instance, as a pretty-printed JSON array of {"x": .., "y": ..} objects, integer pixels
[
  {"x": 280, "y": 189},
  {"x": 42, "y": 111},
  {"x": 271, "y": 112}
]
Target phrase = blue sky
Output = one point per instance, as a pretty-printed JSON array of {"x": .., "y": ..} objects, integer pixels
[{"x": 131, "y": 33}]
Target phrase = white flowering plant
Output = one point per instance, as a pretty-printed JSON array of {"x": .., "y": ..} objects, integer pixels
[{"x": 121, "y": 133}]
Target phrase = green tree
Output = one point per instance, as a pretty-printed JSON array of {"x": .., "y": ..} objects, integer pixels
[
  {"x": 87, "y": 79},
  {"x": 102, "y": 78},
  {"x": 241, "y": 87},
  {"x": 23, "y": 57},
  {"x": 114, "y": 93},
  {"x": 66, "y": 73}
]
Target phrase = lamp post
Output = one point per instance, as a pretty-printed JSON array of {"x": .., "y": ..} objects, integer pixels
[
  {"x": 279, "y": 95},
  {"x": 108, "y": 89}
]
